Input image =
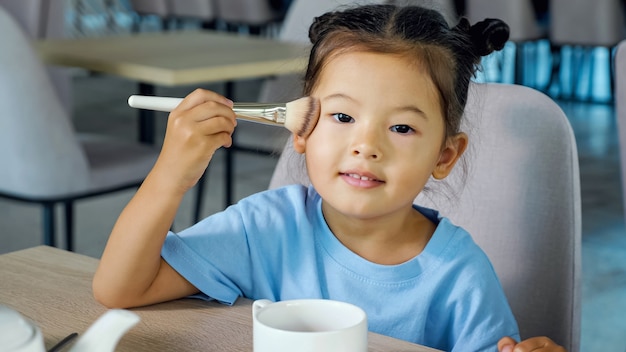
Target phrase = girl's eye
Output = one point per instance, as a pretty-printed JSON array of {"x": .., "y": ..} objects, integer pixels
[
  {"x": 343, "y": 118},
  {"x": 401, "y": 129}
]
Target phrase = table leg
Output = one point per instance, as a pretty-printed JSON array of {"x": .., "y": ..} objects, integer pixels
[
  {"x": 229, "y": 162},
  {"x": 229, "y": 167},
  {"x": 49, "y": 226},
  {"x": 147, "y": 125}
]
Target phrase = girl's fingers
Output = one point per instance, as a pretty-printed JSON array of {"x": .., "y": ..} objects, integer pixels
[
  {"x": 200, "y": 96},
  {"x": 533, "y": 344},
  {"x": 205, "y": 110},
  {"x": 203, "y": 113},
  {"x": 215, "y": 125},
  {"x": 209, "y": 110},
  {"x": 506, "y": 341}
]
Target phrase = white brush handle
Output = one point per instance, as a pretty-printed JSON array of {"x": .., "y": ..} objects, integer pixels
[
  {"x": 166, "y": 104},
  {"x": 268, "y": 114}
]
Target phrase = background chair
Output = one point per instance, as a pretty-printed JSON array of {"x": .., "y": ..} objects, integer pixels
[
  {"x": 43, "y": 160},
  {"x": 582, "y": 25},
  {"x": 253, "y": 15},
  {"x": 620, "y": 109},
  {"x": 202, "y": 10},
  {"x": 159, "y": 8},
  {"x": 41, "y": 19},
  {"x": 520, "y": 201}
]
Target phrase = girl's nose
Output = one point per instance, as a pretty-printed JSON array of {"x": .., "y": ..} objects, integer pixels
[{"x": 367, "y": 144}]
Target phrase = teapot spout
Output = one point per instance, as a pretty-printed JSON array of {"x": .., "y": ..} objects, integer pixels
[{"x": 104, "y": 334}]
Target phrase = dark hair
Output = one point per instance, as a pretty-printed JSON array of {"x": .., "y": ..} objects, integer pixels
[{"x": 450, "y": 55}]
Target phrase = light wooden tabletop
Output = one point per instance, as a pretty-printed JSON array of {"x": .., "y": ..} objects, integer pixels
[
  {"x": 178, "y": 57},
  {"x": 52, "y": 288}
]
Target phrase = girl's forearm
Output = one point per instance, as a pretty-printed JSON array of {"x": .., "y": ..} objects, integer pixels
[
  {"x": 131, "y": 271},
  {"x": 131, "y": 260}
]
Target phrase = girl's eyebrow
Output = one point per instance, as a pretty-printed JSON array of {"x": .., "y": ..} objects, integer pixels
[
  {"x": 339, "y": 96},
  {"x": 408, "y": 108},
  {"x": 413, "y": 109}
]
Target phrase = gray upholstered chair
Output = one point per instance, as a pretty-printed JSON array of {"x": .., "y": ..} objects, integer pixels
[
  {"x": 203, "y": 10},
  {"x": 159, "y": 8},
  {"x": 43, "y": 159},
  {"x": 256, "y": 15},
  {"x": 42, "y": 19},
  {"x": 620, "y": 110},
  {"x": 583, "y": 25},
  {"x": 520, "y": 201}
]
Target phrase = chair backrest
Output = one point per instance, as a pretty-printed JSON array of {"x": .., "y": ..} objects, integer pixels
[
  {"x": 38, "y": 147},
  {"x": 200, "y": 9},
  {"x": 42, "y": 19},
  {"x": 28, "y": 14},
  {"x": 247, "y": 12},
  {"x": 620, "y": 110},
  {"x": 518, "y": 14},
  {"x": 583, "y": 22},
  {"x": 39, "y": 18},
  {"x": 520, "y": 201},
  {"x": 159, "y": 8}
]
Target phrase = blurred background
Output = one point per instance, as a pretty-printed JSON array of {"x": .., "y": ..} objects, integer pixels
[{"x": 568, "y": 55}]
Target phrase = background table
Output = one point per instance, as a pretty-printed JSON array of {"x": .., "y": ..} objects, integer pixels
[
  {"x": 180, "y": 58},
  {"x": 176, "y": 58},
  {"x": 52, "y": 287}
]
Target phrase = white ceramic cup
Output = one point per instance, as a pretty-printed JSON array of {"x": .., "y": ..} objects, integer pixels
[
  {"x": 17, "y": 334},
  {"x": 308, "y": 325}
]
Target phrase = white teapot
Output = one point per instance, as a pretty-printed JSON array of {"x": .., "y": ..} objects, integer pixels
[{"x": 19, "y": 335}]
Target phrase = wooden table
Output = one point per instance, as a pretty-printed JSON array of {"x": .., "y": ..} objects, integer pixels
[
  {"x": 176, "y": 58},
  {"x": 52, "y": 288},
  {"x": 179, "y": 58}
]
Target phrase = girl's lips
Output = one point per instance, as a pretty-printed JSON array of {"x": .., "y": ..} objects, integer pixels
[{"x": 360, "y": 180}]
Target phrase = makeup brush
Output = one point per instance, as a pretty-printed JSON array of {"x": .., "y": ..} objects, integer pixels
[{"x": 299, "y": 116}]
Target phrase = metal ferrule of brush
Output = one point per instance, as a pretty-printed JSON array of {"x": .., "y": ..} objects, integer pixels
[{"x": 272, "y": 114}]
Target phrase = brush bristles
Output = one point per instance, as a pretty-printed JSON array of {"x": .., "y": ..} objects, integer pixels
[{"x": 302, "y": 115}]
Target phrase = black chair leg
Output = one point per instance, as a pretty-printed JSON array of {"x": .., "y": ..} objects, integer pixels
[
  {"x": 48, "y": 225},
  {"x": 229, "y": 185},
  {"x": 578, "y": 63},
  {"x": 229, "y": 163},
  {"x": 199, "y": 197},
  {"x": 555, "y": 78},
  {"x": 69, "y": 225},
  {"x": 612, "y": 71},
  {"x": 520, "y": 50}
]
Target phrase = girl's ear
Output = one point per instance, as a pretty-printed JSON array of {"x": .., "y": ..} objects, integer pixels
[
  {"x": 299, "y": 144},
  {"x": 454, "y": 148}
]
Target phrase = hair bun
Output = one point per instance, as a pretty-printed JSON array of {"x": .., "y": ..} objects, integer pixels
[{"x": 488, "y": 36}]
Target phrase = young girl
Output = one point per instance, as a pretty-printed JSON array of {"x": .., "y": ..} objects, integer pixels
[{"x": 392, "y": 83}]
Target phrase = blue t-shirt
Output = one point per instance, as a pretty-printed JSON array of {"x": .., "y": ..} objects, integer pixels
[{"x": 276, "y": 245}]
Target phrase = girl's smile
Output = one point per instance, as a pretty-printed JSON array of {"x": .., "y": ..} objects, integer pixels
[{"x": 361, "y": 179}]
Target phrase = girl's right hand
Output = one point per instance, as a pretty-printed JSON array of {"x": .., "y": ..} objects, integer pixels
[{"x": 203, "y": 122}]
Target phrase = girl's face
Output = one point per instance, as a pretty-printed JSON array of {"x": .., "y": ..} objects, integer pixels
[{"x": 379, "y": 137}]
